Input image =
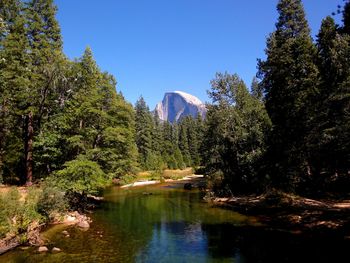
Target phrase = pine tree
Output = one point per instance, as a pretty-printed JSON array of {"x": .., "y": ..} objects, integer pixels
[
  {"x": 289, "y": 77},
  {"x": 157, "y": 136},
  {"x": 346, "y": 18},
  {"x": 144, "y": 128},
  {"x": 184, "y": 141},
  {"x": 45, "y": 49},
  {"x": 15, "y": 85},
  {"x": 256, "y": 89}
]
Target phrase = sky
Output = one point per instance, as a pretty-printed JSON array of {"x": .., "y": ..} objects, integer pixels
[{"x": 155, "y": 46}]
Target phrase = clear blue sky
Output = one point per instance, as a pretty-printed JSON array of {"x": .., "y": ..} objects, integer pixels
[{"x": 154, "y": 46}]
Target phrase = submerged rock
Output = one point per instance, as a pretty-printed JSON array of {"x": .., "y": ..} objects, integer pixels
[{"x": 83, "y": 224}]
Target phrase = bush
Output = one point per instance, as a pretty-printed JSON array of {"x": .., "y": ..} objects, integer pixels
[
  {"x": 81, "y": 176},
  {"x": 127, "y": 179},
  {"x": 16, "y": 212},
  {"x": 52, "y": 202}
]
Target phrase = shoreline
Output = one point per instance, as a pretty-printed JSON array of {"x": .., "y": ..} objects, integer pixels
[
  {"x": 150, "y": 182},
  {"x": 294, "y": 214},
  {"x": 69, "y": 218}
]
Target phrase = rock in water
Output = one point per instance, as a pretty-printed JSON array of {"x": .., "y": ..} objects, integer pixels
[
  {"x": 83, "y": 224},
  {"x": 178, "y": 104}
]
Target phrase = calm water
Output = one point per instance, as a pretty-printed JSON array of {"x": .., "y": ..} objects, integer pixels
[{"x": 173, "y": 225}]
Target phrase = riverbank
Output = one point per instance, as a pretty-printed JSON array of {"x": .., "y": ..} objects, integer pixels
[
  {"x": 48, "y": 206},
  {"x": 150, "y": 182},
  {"x": 26, "y": 211},
  {"x": 294, "y": 213}
]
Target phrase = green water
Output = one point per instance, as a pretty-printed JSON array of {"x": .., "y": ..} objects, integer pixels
[{"x": 164, "y": 223}]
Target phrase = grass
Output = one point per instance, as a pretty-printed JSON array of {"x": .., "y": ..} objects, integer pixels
[
  {"x": 23, "y": 207},
  {"x": 177, "y": 174},
  {"x": 166, "y": 174}
]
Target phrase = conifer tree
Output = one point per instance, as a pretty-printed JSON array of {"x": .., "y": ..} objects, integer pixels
[
  {"x": 333, "y": 122},
  {"x": 184, "y": 141},
  {"x": 16, "y": 87},
  {"x": 144, "y": 128},
  {"x": 289, "y": 77},
  {"x": 346, "y": 18}
]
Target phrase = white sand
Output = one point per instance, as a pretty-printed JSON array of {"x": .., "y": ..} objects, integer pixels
[{"x": 140, "y": 183}]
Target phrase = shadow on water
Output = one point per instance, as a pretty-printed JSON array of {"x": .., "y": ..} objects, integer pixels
[{"x": 164, "y": 223}]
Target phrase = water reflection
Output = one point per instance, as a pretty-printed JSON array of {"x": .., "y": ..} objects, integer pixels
[{"x": 168, "y": 224}]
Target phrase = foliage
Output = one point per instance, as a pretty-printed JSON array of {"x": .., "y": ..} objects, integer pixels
[
  {"x": 290, "y": 79},
  {"x": 81, "y": 176},
  {"x": 18, "y": 212},
  {"x": 52, "y": 202},
  {"x": 52, "y": 109},
  {"x": 235, "y": 133}
]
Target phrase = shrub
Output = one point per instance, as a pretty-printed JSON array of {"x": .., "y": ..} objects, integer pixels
[
  {"x": 127, "y": 179},
  {"x": 51, "y": 202},
  {"x": 81, "y": 176},
  {"x": 16, "y": 213}
]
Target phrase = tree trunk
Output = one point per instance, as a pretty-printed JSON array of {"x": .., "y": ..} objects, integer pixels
[{"x": 29, "y": 149}]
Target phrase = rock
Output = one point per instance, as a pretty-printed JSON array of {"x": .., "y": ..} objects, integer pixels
[
  {"x": 83, "y": 224},
  {"x": 65, "y": 232},
  {"x": 70, "y": 219},
  {"x": 188, "y": 186},
  {"x": 56, "y": 250},
  {"x": 177, "y": 105},
  {"x": 43, "y": 249}
]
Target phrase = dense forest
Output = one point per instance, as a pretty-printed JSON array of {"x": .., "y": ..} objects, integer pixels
[
  {"x": 65, "y": 121},
  {"x": 291, "y": 132}
]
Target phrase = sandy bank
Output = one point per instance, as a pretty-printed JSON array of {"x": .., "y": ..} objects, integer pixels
[{"x": 141, "y": 183}]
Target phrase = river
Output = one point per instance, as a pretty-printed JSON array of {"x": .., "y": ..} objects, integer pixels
[{"x": 164, "y": 223}]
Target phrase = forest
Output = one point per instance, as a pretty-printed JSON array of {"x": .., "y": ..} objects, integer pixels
[{"x": 66, "y": 121}]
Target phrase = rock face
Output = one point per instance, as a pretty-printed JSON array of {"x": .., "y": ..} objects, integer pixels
[{"x": 177, "y": 105}]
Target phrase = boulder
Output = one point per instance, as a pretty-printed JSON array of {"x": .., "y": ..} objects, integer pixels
[
  {"x": 56, "y": 250},
  {"x": 83, "y": 224},
  {"x": 70, "y": 219},
  {"x": 42, "y": 249}
]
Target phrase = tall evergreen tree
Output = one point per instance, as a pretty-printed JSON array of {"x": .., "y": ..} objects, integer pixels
[
  {"x": 289, "y": 76},
  {"x": 346, "y": 18},
  {"x": 144, "y": 128},
  {"x": 256, "y": 89},
  {"x": 332, "y": 122},
  {"x": 184, "y": 141},
  {"x": 16, "y": 87},
  {"x": 44, "y": 49}
]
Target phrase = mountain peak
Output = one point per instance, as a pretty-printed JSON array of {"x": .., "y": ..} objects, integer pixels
[{"x": 178, "y": 104}]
